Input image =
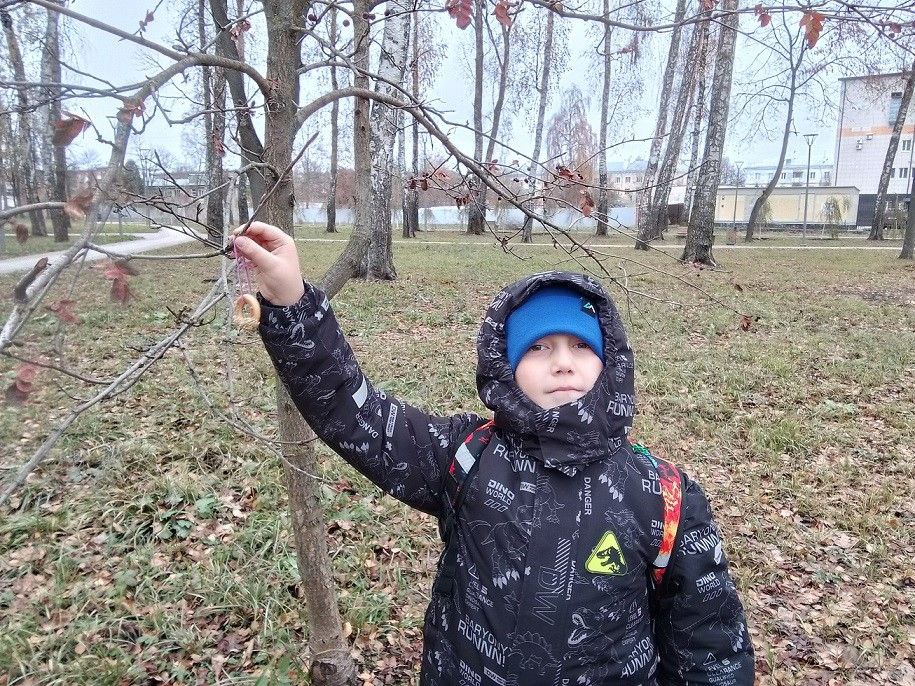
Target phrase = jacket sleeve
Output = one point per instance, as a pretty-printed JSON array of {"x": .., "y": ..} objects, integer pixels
[
  {"x": 700, "y": 627},
  {"x": 401, "y": 449}
]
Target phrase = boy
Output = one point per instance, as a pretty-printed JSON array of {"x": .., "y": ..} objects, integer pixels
[{"x": 554, "y": 570}]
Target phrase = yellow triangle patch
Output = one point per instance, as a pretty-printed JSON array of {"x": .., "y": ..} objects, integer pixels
[{"x": 607, "y": 556}]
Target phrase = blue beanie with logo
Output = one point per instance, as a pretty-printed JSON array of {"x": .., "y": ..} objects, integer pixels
[{"x": 552, "y": 310}]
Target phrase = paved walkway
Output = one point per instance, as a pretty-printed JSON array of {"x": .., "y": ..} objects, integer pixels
[{"x": 145, "y": 242}]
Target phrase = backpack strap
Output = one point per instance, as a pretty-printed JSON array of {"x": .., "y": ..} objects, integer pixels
[
  {"x": 671, "y": 481},
  {"x": 461, "y": 470}
]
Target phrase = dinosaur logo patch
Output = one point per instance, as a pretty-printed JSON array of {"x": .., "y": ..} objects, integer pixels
[{"x": 607, "y": 557}]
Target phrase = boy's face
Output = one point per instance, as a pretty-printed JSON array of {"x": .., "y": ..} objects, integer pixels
[{"x": 557, "y": 369}]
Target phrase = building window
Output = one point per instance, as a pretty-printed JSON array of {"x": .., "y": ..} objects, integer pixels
[
  {"x": 893, "y": 173},
  {"x": 895, "y": 101},
  {"x": 813, "y": 176},
  {"x": 906, "y": 145},
  {"x": 827, "y": 177},
  {"x": 783, "y": 176},
  {"x": 627, "y": 179},
  {"x": 903, "y": 172}
]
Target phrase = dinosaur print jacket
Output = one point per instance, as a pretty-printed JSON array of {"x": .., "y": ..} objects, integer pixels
[{"x": 558, "y": 529}]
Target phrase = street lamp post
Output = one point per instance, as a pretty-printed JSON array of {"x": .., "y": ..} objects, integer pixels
[{"x": 809, "y": 137}]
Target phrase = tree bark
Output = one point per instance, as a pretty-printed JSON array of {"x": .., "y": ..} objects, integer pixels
[
  {"x": 644, "y": 197},
  {"x": 391, "y": 69},
  {"x": 533, "y": 173},
  {"x": 701, "y": 231},
  {"x": 908, "y": 240},
  {"x": 252, "y": 150},
  {"x": 786, "y": 135},
  {"x": 27, "y": 156},
  {"x": 331, "y": 206},
  {"x": 214, "y": 124},
  {"x": 876, "y": 232},
  {"x": 411, "y": 202},
  {"x": 677, "y": 133},
  {"x": 698, "y": 118},
  {"x": 603, "y": 193},
  {"x": 476, "y": 208},
  {"x": 54, "y": 157},
  {"x": 332, "y": 664}
]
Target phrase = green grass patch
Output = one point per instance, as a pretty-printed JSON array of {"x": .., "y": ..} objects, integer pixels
[{"x": 155, "y": 543}]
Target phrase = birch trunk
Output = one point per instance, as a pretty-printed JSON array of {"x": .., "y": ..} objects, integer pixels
[
  {"x": 27, "y": 157},
  {"x": 534, "y": 171},
  {"x": 675, "y": 139},
  {"x": 876, "y": 233},
  {"x": 786, "y": 135},
  {"x": 701, "y": 231},
  {"x": 391, "y": 69},
  {"x": 603, "y": 193},
  {"x": 908, "y": 240},
  {"x": 331, "y": 207},
  {"x": 644, "y": 197},
  {"x": 54, "y": 157},
  {"x": 698, "y": 118},
  {"x": 411, "y": 207},
  {"x": 476, "y": 209}
]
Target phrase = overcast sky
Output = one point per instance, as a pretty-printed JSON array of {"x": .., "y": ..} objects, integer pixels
[{"x": 123, "y": 62}]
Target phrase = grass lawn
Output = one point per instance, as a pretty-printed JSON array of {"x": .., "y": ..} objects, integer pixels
[{"x": 154, "y": 546}]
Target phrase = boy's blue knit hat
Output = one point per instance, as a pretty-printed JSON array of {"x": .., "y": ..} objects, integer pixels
[{"x": 552, "y": 310}]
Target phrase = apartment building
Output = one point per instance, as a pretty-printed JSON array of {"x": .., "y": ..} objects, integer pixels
[{"x": 868, "y": 109}]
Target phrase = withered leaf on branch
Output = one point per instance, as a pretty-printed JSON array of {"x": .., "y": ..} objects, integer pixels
[
  {"x": 118, "y": 272},
  {"x": 586, "y": 204},
  {"x": 130, "y": 109},
  {"x": 460, "y": 11},
  {"x": 502, "y": 14},
  {"x": 77, "y": 207},
  {"x": 812, "y": 23},
  {"x": 68, "y": 128},
  {"x": 63, "y": 309},
  {"x": 19, "y": 292}
]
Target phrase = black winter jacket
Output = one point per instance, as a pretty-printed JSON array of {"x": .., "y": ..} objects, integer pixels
[{"x": 554, "y": 489}]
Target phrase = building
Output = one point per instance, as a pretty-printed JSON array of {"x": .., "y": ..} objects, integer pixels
[
  {"x": 792, "y": 174},
  {"x": 787, "y": 206},
  {"x": 868, "y": 109}
]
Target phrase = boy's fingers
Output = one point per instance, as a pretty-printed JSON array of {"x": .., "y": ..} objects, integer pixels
[
  {"x": 250, "y": 249},
  {"x": 266, "y": 235}
]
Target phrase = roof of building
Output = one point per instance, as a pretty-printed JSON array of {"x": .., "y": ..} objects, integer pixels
[
  {"x": 636, "y": 165},
  {"x": 872, "y": 76}
]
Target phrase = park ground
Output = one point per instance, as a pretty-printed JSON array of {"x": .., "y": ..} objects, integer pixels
[{"x": 155, "y": 547}]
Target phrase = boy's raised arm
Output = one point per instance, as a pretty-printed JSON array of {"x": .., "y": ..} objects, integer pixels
[
  {"x": 700, "y": 626},
  {"x": 400, "y": 448}
]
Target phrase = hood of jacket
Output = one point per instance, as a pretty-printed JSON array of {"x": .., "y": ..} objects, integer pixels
[{"x": 573, "y": 435}]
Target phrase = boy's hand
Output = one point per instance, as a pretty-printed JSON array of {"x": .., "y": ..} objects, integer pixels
[{"x": 276, "y": 260}]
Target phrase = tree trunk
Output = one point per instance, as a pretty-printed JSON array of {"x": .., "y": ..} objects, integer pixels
[
  {"x": 534, "y": 171},
  {"x": 701, "y": 231},
  {"x": 214, "y": 124},
  {"x": 332, "y": 664},
  {"x": 54, "y": 157},
  {"x": 786, "y": 134},
  {"x": 698, "y": 118},
  {"x": 349, "y": 263},
  {"x": 677, "y": 132},
  {"x": 876, "y": 233},
  {"x": 411, "y": 202},
  {"x": 603, "y": 193},
  {"x": 27, "y": 157},
  {"x": 331, "y": 206},
  {"x": 391, "y": 69},
  {"x": 644, "y": 197},
  {"x": 249, "y": 143},
  {"x": 476, "y": 208},
  {"x": 908, "y": 240}
]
